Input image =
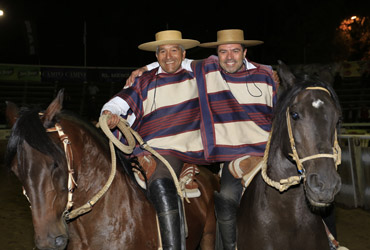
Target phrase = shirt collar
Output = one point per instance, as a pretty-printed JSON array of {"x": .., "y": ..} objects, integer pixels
[
  {"x": 248, "y": 65},
  {"x": 160, "y": 70}
]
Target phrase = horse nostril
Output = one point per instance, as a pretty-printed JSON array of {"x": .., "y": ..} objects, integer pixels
[
  {"x": 315, "y": 183},
  {"x": 60, "y": 241}
]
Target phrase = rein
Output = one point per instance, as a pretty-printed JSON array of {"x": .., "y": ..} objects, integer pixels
[
  {"x": 131, "y": 135},
  {"x": 284, "y": 184}
]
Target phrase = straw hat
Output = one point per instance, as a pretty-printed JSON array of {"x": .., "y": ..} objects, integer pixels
[
  {"x": 168, "y": 37},
  {"x": 231, "y": 36}
]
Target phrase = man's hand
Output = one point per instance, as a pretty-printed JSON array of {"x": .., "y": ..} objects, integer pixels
[
  {"x": 113, "y": 120},
  {"x": 276, "y": 78},
  {"x": 135, "y": 74}
]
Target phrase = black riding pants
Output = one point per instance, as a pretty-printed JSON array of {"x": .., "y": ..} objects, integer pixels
[
  {"x": 231, "y": 188},
  {"x": 162, "y": 171}
]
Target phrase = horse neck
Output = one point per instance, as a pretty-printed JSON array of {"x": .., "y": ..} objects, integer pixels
[{"x": 122, "y": 202}]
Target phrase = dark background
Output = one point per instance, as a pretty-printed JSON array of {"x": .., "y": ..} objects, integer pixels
[{"x": 293, "y": 31}]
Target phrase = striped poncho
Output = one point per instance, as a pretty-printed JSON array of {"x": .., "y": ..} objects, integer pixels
[
  {"x": 166, "y": 107},
  {"x": 236, "y": 109},
  {"x": 214, "y": 118}
]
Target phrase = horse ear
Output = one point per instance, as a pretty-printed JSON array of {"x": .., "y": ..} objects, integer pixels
[
  {"x": 11, "y": 113},
  {"x": 286, "y": 76},
  {"x": 54, "y": 108}
]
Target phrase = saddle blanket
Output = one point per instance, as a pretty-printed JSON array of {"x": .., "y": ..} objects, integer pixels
[{"x": 245, "y": 168}]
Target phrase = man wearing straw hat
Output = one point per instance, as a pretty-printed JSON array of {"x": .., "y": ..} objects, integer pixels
[
  {"x": 236, "y": 97},
  {"x": 248, "y": 92},
  {"x": 162, "y": 106}
]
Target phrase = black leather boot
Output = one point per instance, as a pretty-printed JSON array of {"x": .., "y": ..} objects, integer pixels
[
  {"x": 226, "y": 221},
  {"x": 163, "y": 194}
]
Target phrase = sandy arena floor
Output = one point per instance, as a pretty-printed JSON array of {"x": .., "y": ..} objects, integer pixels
[{"x": 16, "y": 232}]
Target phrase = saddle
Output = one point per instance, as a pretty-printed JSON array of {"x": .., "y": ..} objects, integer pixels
[{"x": 187, "y": 178}]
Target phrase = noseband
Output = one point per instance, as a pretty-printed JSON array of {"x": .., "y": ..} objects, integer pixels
[{"x": 284, "y": 184}]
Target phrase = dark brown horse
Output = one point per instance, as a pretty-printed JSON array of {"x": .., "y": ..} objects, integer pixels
[
  {"x": 122, "y": 219},
  {"x": 273, "y": 215}
]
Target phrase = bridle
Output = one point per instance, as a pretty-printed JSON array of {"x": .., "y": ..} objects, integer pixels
[
  {"x": 71, "y": 181},
  {"x": 69, "y": 157},
  {"x": 69, "y": 214},
  {"x": 284, "y": 184},
  {"x": 131, "y": 135}
]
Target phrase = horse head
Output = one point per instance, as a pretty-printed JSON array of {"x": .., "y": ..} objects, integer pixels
[
  {"x": 39, "y": 165},
  {"x": 310, "y": 112}
]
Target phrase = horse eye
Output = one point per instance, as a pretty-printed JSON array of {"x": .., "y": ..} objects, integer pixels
[{"x": 294, "y": 115}]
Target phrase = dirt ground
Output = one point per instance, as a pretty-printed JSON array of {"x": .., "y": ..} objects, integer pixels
[
  {"x": 16, "y": 232},
  {"x": 353, "y": 228}
]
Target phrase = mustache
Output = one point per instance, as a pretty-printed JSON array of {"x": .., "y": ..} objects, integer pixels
[{"x": 230, "y": 61}]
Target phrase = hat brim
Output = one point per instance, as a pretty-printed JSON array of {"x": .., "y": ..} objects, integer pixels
[
  {"x": 152, "y": 46},
  {"x": 247, "y": 43}
]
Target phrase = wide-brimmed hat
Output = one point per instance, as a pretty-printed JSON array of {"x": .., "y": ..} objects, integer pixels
[
  {"x": 231, "y": 36},
  {"x": 168, "y": 37}
]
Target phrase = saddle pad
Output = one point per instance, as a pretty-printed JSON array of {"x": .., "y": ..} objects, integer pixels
[
  {"x": 247, "y": 178},
  {"x": 188, "y": 182},
  {"x": 245, "y": 168}
]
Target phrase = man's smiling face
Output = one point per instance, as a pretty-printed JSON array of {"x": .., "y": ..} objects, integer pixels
[
  {"x": 170, "y": 57},
  {"x": 231, "y": 57}
]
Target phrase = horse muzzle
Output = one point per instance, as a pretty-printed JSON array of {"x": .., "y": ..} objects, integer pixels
[
  {"x": 320, "y": 192},
  {"x": 52, "y": 243},
  {"x": 51, "y": 235}
]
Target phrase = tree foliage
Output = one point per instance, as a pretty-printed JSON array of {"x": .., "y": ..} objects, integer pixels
[{"x": 352, "y": 39}]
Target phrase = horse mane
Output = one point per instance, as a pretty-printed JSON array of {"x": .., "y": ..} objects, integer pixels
[
  {"x": 286, "y": 98},
  {"x": 28, "y": 128}
]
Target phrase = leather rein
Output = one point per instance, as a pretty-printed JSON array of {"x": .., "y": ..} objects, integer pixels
[{"x": 284, "y": 184}]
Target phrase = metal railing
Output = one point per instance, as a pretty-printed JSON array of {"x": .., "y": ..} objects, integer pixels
[{"x": 355, "y": 171}]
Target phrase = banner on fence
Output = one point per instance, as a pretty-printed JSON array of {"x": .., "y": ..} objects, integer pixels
[
  {"x": 59, "y": 74},
  {"x": 20, "y": 73}
]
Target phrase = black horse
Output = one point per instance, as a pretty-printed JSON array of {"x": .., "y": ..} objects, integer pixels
[{"x": 278, "y": 212}]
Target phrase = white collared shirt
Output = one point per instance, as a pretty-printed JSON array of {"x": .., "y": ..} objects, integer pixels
[{"x": 186, "y": 64}]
